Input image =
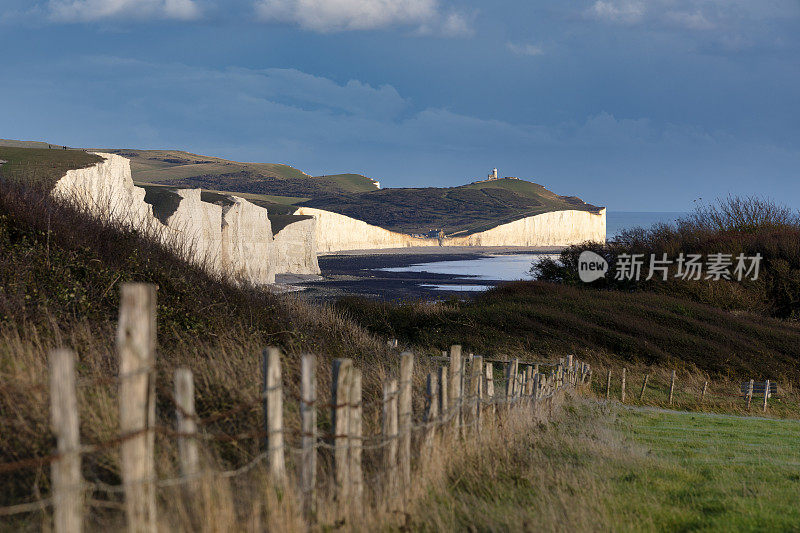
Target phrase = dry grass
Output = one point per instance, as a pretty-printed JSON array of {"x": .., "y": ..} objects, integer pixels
[
  {"x": 226, "y": 375},
  {"x": 532, "y": 476}
]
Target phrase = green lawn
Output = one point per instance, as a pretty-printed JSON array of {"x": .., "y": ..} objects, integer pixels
[
  {"x": 599, "y": 466},
  {"x": 41, "y": 166},
  {"x": 703, "y": 471}
]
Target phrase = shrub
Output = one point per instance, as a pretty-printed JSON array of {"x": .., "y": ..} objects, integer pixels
[{"x": 733, "y": 226}]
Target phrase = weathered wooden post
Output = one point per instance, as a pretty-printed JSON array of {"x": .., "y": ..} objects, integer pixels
[
  {"x": 622, "y": 394},
  {"x": 490, "y": 388},
  {"x": 766, "y": 394},
  {"x": 308, "y": 420},
  {"x": 608, "y": 385},
  {"x": 703, "y": 394},
  {"x": 390, "y": 436},
  {"x": 273, "y": 414},
  {"x": 511, "y": 381},
  {"x": 340, "y": 420},
  {"x": 444, "y": 395},
  {"x": 528, "y": 382},
  {"x": 356, "y": 472},
  {"x": 66, "y": 470},
  {"x": 405, "y": 417},
  {"x": 644, "y": 387},
  {"x": 431, "y": 415},
  {"x": 671, "y": 387},
  {"x": 136, "y": 343},
  {"x": 476, "y": 371},
  {"x": 186, "y": 423},
  {"x": 455, "y": 388},
  {"x": 569, "y": 368},
  {"x": 749, "y": 394}
]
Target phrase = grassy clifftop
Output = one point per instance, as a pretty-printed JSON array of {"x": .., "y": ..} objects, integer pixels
[
  {"x": 456, "y": 210},
  {"x": 41, "y": 167},
  {"x": 184, "y": 169}
]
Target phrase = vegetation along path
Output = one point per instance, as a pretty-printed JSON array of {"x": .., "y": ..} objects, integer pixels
[{"x": 606, "y": 467}]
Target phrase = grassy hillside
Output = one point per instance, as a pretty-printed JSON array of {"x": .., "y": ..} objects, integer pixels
[
  {"x": 11, "y": 143},
  {"x": 41, "y": 167},
  {"x": 535, "y": 319},
  {"x": 185, "y": 169},
  {"x": 456, "y": 210}
]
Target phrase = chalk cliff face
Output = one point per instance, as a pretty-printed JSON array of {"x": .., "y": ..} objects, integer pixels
[
  {"x": 247, "y": 246},
  {"x": 195, "y": 230},
  {"x": 107, "y": 191},
  {"x": 336, "y": 232},
  {"x": 296, "y": 246},
  {"x": 233, "y": 240},
  {"x": 556, "y": 228}
]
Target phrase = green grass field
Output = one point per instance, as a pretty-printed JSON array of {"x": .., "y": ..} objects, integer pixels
[
  {"x": 704, "y": 471},
  {"x": 41, "y": 166},
  {"x": 603, "y": 467}
]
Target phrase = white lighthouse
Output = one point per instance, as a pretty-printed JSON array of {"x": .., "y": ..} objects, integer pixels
[{"x": 493, "y": 174}]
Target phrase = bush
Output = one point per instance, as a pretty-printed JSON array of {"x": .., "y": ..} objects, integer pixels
[{"x": 735, "y": 225}]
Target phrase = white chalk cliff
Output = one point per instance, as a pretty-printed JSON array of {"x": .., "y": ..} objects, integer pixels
[
  {"x": 233, "y": 240},
  {"x": 336, "y": 232}
]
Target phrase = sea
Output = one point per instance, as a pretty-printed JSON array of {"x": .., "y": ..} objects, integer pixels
[{"x": 512, "y": 267}]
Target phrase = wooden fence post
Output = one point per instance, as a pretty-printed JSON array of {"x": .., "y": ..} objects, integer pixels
[
  {"x": 390, "y": 436},
  {"x": 749, "y": 394},
  {"x": 570, "y": 369},
  {"x": 644, "y": 387},
  {"x": 405, "y": 418},
  {"x": 356, "y": 472},
  {"x": 455, "y": 388},
  {"x": 528, "y": 382},
  {"x": 766, "y": 394},
  {"x": 490, "y": 388},
  {"x": 511, "y": 381},
  {"x": 340, "y": 421},
  {"x": 622, "y": 394},
  {"x": 308, "y": 417},
  {"x": 431, "y": 415},
  {"x": 136, "y": 342},
  {"x": 444, "y": 395},
  {"x": 273, "y": 414},
  {"x": 671, "y": 387},
  {"x": 703, "y": 394},
  {"x": 66, "y": 470},
  {"x": 608, "y": 385},
  {"x": 476, "y": 372},
  {"x": 186, "y": 423}
]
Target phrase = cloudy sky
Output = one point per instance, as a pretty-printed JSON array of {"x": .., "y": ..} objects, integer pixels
[{"x": 632, "y": 104}]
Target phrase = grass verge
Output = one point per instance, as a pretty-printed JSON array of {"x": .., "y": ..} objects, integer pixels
[{"x": 600, "y": 467}]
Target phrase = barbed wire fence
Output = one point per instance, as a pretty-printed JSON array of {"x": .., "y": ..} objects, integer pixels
[{"x": 462, "y": 400}]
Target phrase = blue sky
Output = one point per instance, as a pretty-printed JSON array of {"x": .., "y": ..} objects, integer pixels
[{"x": 632, "y": 104}]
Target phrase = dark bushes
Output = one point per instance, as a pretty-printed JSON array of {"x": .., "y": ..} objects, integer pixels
[{"x": 748, "y": 226}]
